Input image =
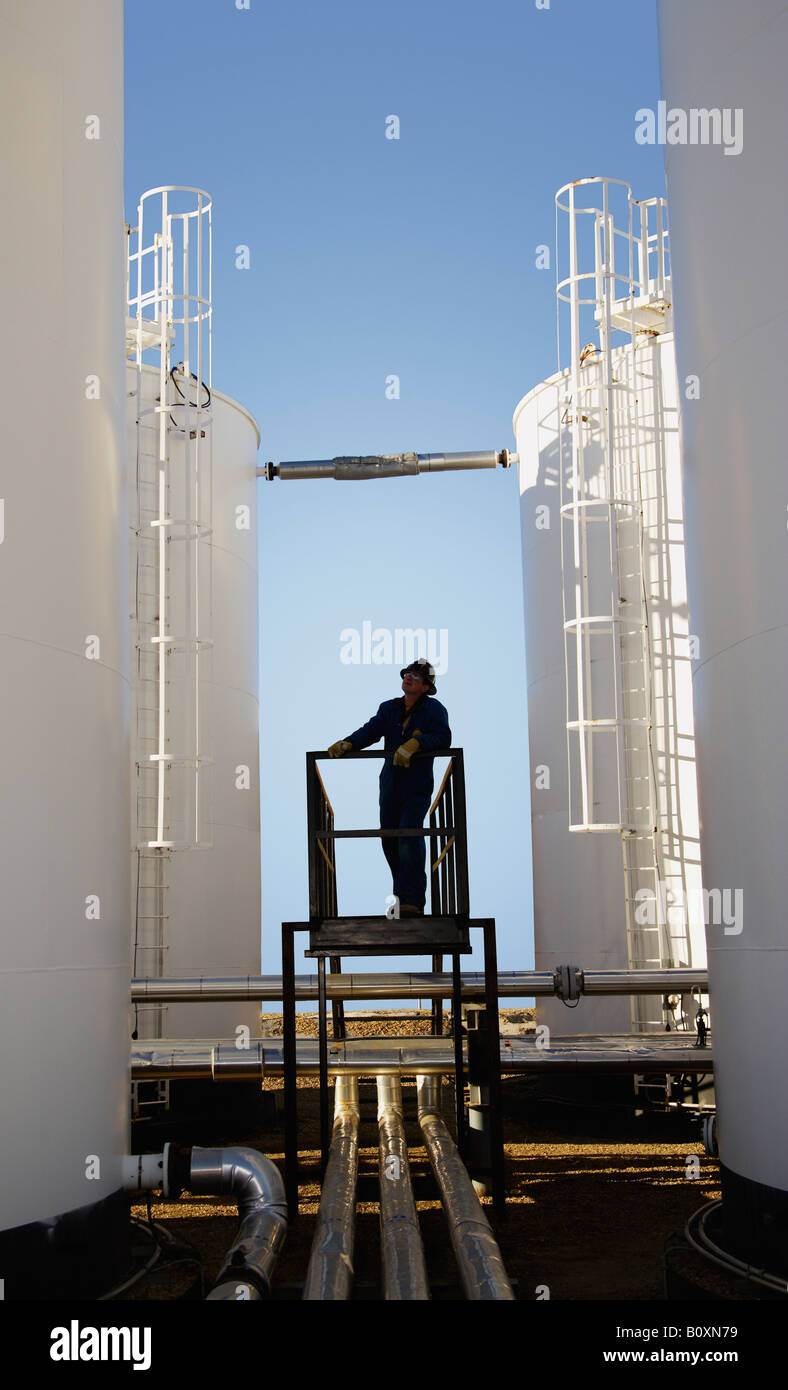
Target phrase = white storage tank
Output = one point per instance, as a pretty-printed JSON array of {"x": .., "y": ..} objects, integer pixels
[
  {"x": 578, "y": 880},
  {"x": 724, "y": 119},
  {"x": 64, "y": 696},
  {"x": 584, "y": 876},
  {"x": 202, "y": 915}
]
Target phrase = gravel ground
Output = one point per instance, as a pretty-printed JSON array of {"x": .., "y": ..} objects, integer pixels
[{"x": 588, "y": 1213}]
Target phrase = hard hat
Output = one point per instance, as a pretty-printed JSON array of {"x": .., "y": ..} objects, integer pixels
[{"x": 422, "y": 668}]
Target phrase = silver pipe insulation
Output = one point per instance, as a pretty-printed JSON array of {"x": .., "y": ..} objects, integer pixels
[
  {"x": 330, "y": 1272},
  {"x": 354, "y": 467},
  {"x": 268, "y": 988},
  {"x": 444, "y": 463},
  {"x": 402, "y": 1253},
  {"x": 475, "y": 1247},
  {"x": 413, "y": 985},
  {"x": 247, "y": 1176},
  {"x": 256, "y": 1185},
  {"x": 223, "y": 1060}
]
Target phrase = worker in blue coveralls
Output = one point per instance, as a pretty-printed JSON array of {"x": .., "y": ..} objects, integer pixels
[{"x": 414, "y": 723}]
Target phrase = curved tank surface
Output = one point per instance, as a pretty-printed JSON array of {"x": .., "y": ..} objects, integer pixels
[
  {"x": 64, "y": 1001},
  {"x": 580, "y": 882},
  {"x": 208, "y": 897},
  {"x": 729, "y": 205}
]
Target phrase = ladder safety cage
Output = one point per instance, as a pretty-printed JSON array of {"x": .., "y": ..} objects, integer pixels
[
  {"x": 169, "y": 340},
  {"x": 617, "y": 289}
]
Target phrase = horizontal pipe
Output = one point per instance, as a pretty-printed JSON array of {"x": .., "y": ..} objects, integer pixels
[
  {"x": 330, "y": 1272},
  {"x": 476, "y": 1250},
  {"x": 440, "y": 463},
  {"x": 223, "y": 1060},
  {"x": 402, "y": 1254},
  {"x": 391, "y": 985},
  {"x": 512, "y": 984},
  {"x": 668, "y": 981},
  {"x": 354, "y": 467},
  {"x": 301, "y": 468},
  {"x": 143, "y": 1172}
]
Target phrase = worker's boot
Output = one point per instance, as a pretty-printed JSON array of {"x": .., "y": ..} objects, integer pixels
[{"x": 410, "y": 910}]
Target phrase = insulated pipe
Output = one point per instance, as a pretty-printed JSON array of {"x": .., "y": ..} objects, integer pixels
[
  {"x": 361, "y": 466},
  {"x": 221, "y": 1060},
  {"x": 330, "y": 1272},
  {"x": 475, "y": 1247},
  {"x": 440, "y": 463},
  {"x": 400, "y": 985},
  {"x": 512, "y": 984},
  {"x": 404, "y": 1270},
  {"x": 256, "y": 1184}
]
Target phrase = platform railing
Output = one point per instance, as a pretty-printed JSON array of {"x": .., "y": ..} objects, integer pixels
[
  {"x": 449, "y": 894},
  {"x": 448, "y": 843}
]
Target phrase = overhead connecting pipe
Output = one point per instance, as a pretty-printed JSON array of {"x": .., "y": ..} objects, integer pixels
[
  {"x": 330, "y": 1272},
  {"x": 352, "y": 468},
  {"x": 404, "y": 1270},
  {"x": 476, "y": 1250}
]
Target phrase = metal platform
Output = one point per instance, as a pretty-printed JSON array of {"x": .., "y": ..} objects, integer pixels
[
  {"x": 386, "y": 936},
  {"x": 444, "y": 932}
]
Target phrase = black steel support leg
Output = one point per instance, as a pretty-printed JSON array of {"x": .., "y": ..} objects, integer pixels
[
  {"x": 459, "y": 1079},
  {"x": 494, "y": 1036},
  {"x": 437, "y": 1004},
  {"x": 337, "y": 1005},
  {"x": 323, "y": 1034},
  {"x": 289, "y": 1063}
]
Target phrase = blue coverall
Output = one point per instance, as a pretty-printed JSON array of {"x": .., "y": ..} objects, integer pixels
[{"x": 405, "y": 792}]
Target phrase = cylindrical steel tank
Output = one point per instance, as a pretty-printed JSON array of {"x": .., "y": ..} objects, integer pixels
[
  {"x": 64, "y": 695},
  {"x": 579, "y": 880},
  {"x": 209, "y": 896},
  {"x": 728, "y": 196},
  {"x": 578, "y": 887}
]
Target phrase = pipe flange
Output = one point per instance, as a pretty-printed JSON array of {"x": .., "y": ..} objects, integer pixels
[
  {"x": 568, "y": 982},
  {"x": 177, "y": 1161}
]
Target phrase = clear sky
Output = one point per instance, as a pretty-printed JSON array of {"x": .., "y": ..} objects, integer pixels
[{"x": 370, "y": 258}]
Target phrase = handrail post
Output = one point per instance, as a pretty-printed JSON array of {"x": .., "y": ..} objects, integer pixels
[
  {"x": 311, "y": 827},
  {"x": 289, "y": 1066},
  {"x": 461, "y": 841}
]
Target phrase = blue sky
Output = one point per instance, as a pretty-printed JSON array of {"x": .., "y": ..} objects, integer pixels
[{"x": 371, "y": 257}]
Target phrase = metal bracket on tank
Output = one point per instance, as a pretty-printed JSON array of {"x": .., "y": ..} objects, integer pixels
[{"x": 568, "y": 982}]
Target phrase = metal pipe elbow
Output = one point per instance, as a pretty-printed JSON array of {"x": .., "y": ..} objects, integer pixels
[{"x": 255, "y": 1183}]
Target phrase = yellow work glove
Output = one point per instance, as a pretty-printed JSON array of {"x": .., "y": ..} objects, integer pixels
[
  {"x": 405, "y": 752},
  {"x": 337, "y": 750}
]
